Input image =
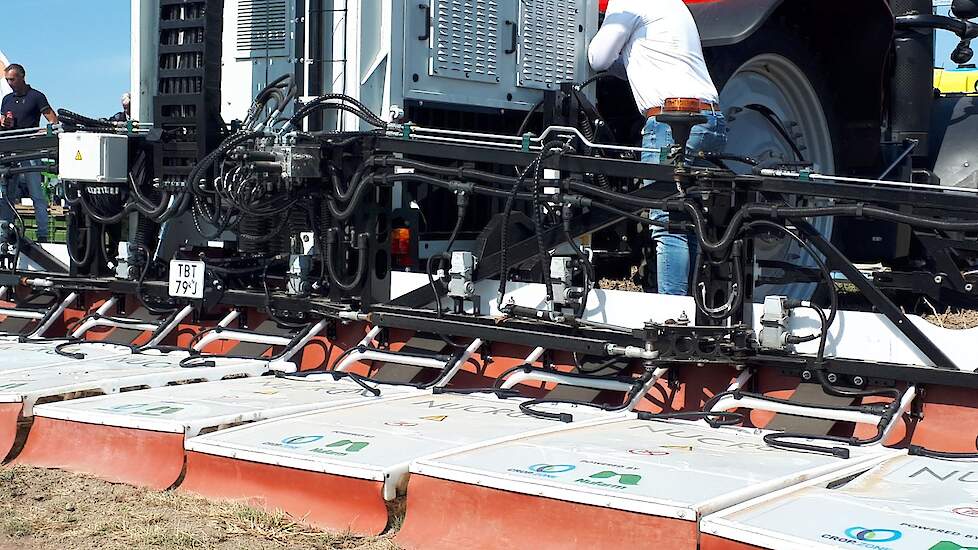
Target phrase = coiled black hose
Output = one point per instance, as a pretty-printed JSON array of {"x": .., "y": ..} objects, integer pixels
[{"x": 332, "y": 243}]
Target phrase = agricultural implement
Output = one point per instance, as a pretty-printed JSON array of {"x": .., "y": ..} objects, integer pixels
[{"x": 374, "y": 283}]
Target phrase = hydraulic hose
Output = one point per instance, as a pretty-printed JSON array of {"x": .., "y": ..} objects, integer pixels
[
  {"x": 714, "y": 419},
  {"x": 332, "y": 242},
  {"x": 527, "y": 406},
  {"x": 917, "y": 450},
  {"x": 833, "y": 291}
]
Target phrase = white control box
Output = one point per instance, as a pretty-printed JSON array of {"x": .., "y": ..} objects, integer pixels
[{"x": 96, "y": 158}]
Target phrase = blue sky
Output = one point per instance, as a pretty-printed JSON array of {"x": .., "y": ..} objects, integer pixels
[
  {"x": 75, "y": 51},
  {"x": 945, "y": 43}
]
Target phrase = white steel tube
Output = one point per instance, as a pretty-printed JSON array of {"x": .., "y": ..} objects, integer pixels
[
  {"x": 394, "y": 357},
  {"x": 165, "y": 330},
  {"x": 106, "y": 306},
  {"x": 241, "y": 336},
  {"x": 92, "y": 323},
  {"x": 534, "y": 355},
  {"x": 377, "y": 355},
  {"x": 730, "y": 403},
  {"x": 521, "y": 376},
  {"x": 229, "y": 318},
  {"x": 39, "y": 331},
  {"x": 742, "y": 379},
  {"x": 283, "y": 363},
  {"x": 656, "y": 375},
  {"x": 792, "y": 174},
  {"x": 905, "y": 401},
  {"x": 558, "y": 378},
  {"x": 21, "y": 314},
  {"x": 473, "y": 347}
]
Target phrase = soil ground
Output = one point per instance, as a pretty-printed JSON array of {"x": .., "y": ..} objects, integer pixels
[{"x": 53, "y": 510}]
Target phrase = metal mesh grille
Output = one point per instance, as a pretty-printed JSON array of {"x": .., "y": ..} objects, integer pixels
[
  {"x": 466, "y": 33},
  {"x": 549, "y": 38},
  {"x": 262, "y": 25}
]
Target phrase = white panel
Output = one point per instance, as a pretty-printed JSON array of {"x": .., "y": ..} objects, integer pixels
[
  {"x": 18, "y": 357},
  {"x": 675, "y": 469},
  {"x": 237, "y": 91},
  {"x": 190, "y": 409},
  {"x": 905, "y": 503},
  {"x": 378, "y": 441}
]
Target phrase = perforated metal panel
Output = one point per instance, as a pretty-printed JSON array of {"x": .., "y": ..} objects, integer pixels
[
  {"x": 549, "y": 34},
  {"x": 263, "y": 27},
  {"x": 466, "y": 36}
]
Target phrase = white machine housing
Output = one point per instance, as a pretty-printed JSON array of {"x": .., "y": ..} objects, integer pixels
[{"x": 466, "y": 54}]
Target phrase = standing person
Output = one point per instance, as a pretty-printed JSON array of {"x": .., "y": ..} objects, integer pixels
[
  {"x": 22, "y": 109},
  {"x": 655, "y": 45},
  {"x": 125, "y": 114}
]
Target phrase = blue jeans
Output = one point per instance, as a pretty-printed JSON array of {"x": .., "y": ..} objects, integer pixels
[
  {"x": 33, "y": 181},
  {"x": 674, "y": 250}
]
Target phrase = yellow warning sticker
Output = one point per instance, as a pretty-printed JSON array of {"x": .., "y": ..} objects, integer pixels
[
  {"x": 78, "y": 155},
  {"x": 434, "y": 418}
]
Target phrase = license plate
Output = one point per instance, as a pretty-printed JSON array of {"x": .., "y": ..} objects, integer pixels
[{"x": 186, "y": 279}]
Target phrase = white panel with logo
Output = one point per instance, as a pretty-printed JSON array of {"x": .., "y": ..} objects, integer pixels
[
  {"x": 378, "y": 441},
  {"x": 907, "y": 502},
  {"x": 114, "y": 374},
  {"x": 674, "y": 469},
  {"x": 198, "y": 407}
]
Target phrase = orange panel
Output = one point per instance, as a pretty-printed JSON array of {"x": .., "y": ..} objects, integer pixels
[
  {"x": 950, "y": 420},
  {"x": 448, "y": 515},
  {"x": 323, "y": 500},
  {"x": 710, "y": 542},
  {"x": 9, "y": 415},
  {"x": 696, "y": 387},
  {"x": 123, "y": 455}
]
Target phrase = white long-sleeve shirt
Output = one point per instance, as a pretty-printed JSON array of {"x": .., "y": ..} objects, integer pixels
[{"x": 659, "y": 46}]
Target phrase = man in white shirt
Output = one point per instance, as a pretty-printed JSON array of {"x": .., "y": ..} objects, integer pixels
[{"x": 655, "y": 45}]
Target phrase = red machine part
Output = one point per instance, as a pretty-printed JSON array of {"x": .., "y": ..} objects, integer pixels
[
  {"x": 124, "y": 455},
  {"x": 710, "y": 542},
  {"x": 327, "y": 501},
  {"x": 434, "y": 522},
  {"x": 9, "y": 416}
]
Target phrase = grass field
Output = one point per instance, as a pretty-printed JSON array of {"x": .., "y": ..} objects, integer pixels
[{"x": 53, "y": 510}]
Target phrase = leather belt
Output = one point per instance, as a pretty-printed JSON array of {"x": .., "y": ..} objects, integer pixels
[{"x": 703, "y": 106}]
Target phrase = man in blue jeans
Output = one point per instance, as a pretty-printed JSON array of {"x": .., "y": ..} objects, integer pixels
[
  {"x": 655, "y": 45},
  {"x": 20, "y": 110}
]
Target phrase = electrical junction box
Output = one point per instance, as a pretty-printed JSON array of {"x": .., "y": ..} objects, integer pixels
[{"x": 94, "y": 158}]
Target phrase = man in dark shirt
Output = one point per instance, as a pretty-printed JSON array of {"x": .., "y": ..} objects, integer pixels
[
  {"x": 22, "y": 109},
  {"x": 125, "y": 114}
]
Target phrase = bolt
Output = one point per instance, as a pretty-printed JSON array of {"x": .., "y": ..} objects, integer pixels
[
  {"x": 806, "y": 375},
  {"x": 858, "y": 380},
  {"x": 832, "y": 378},
  {"x": 968, "y": 287},
  {"x": 938, "y": 279}
]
